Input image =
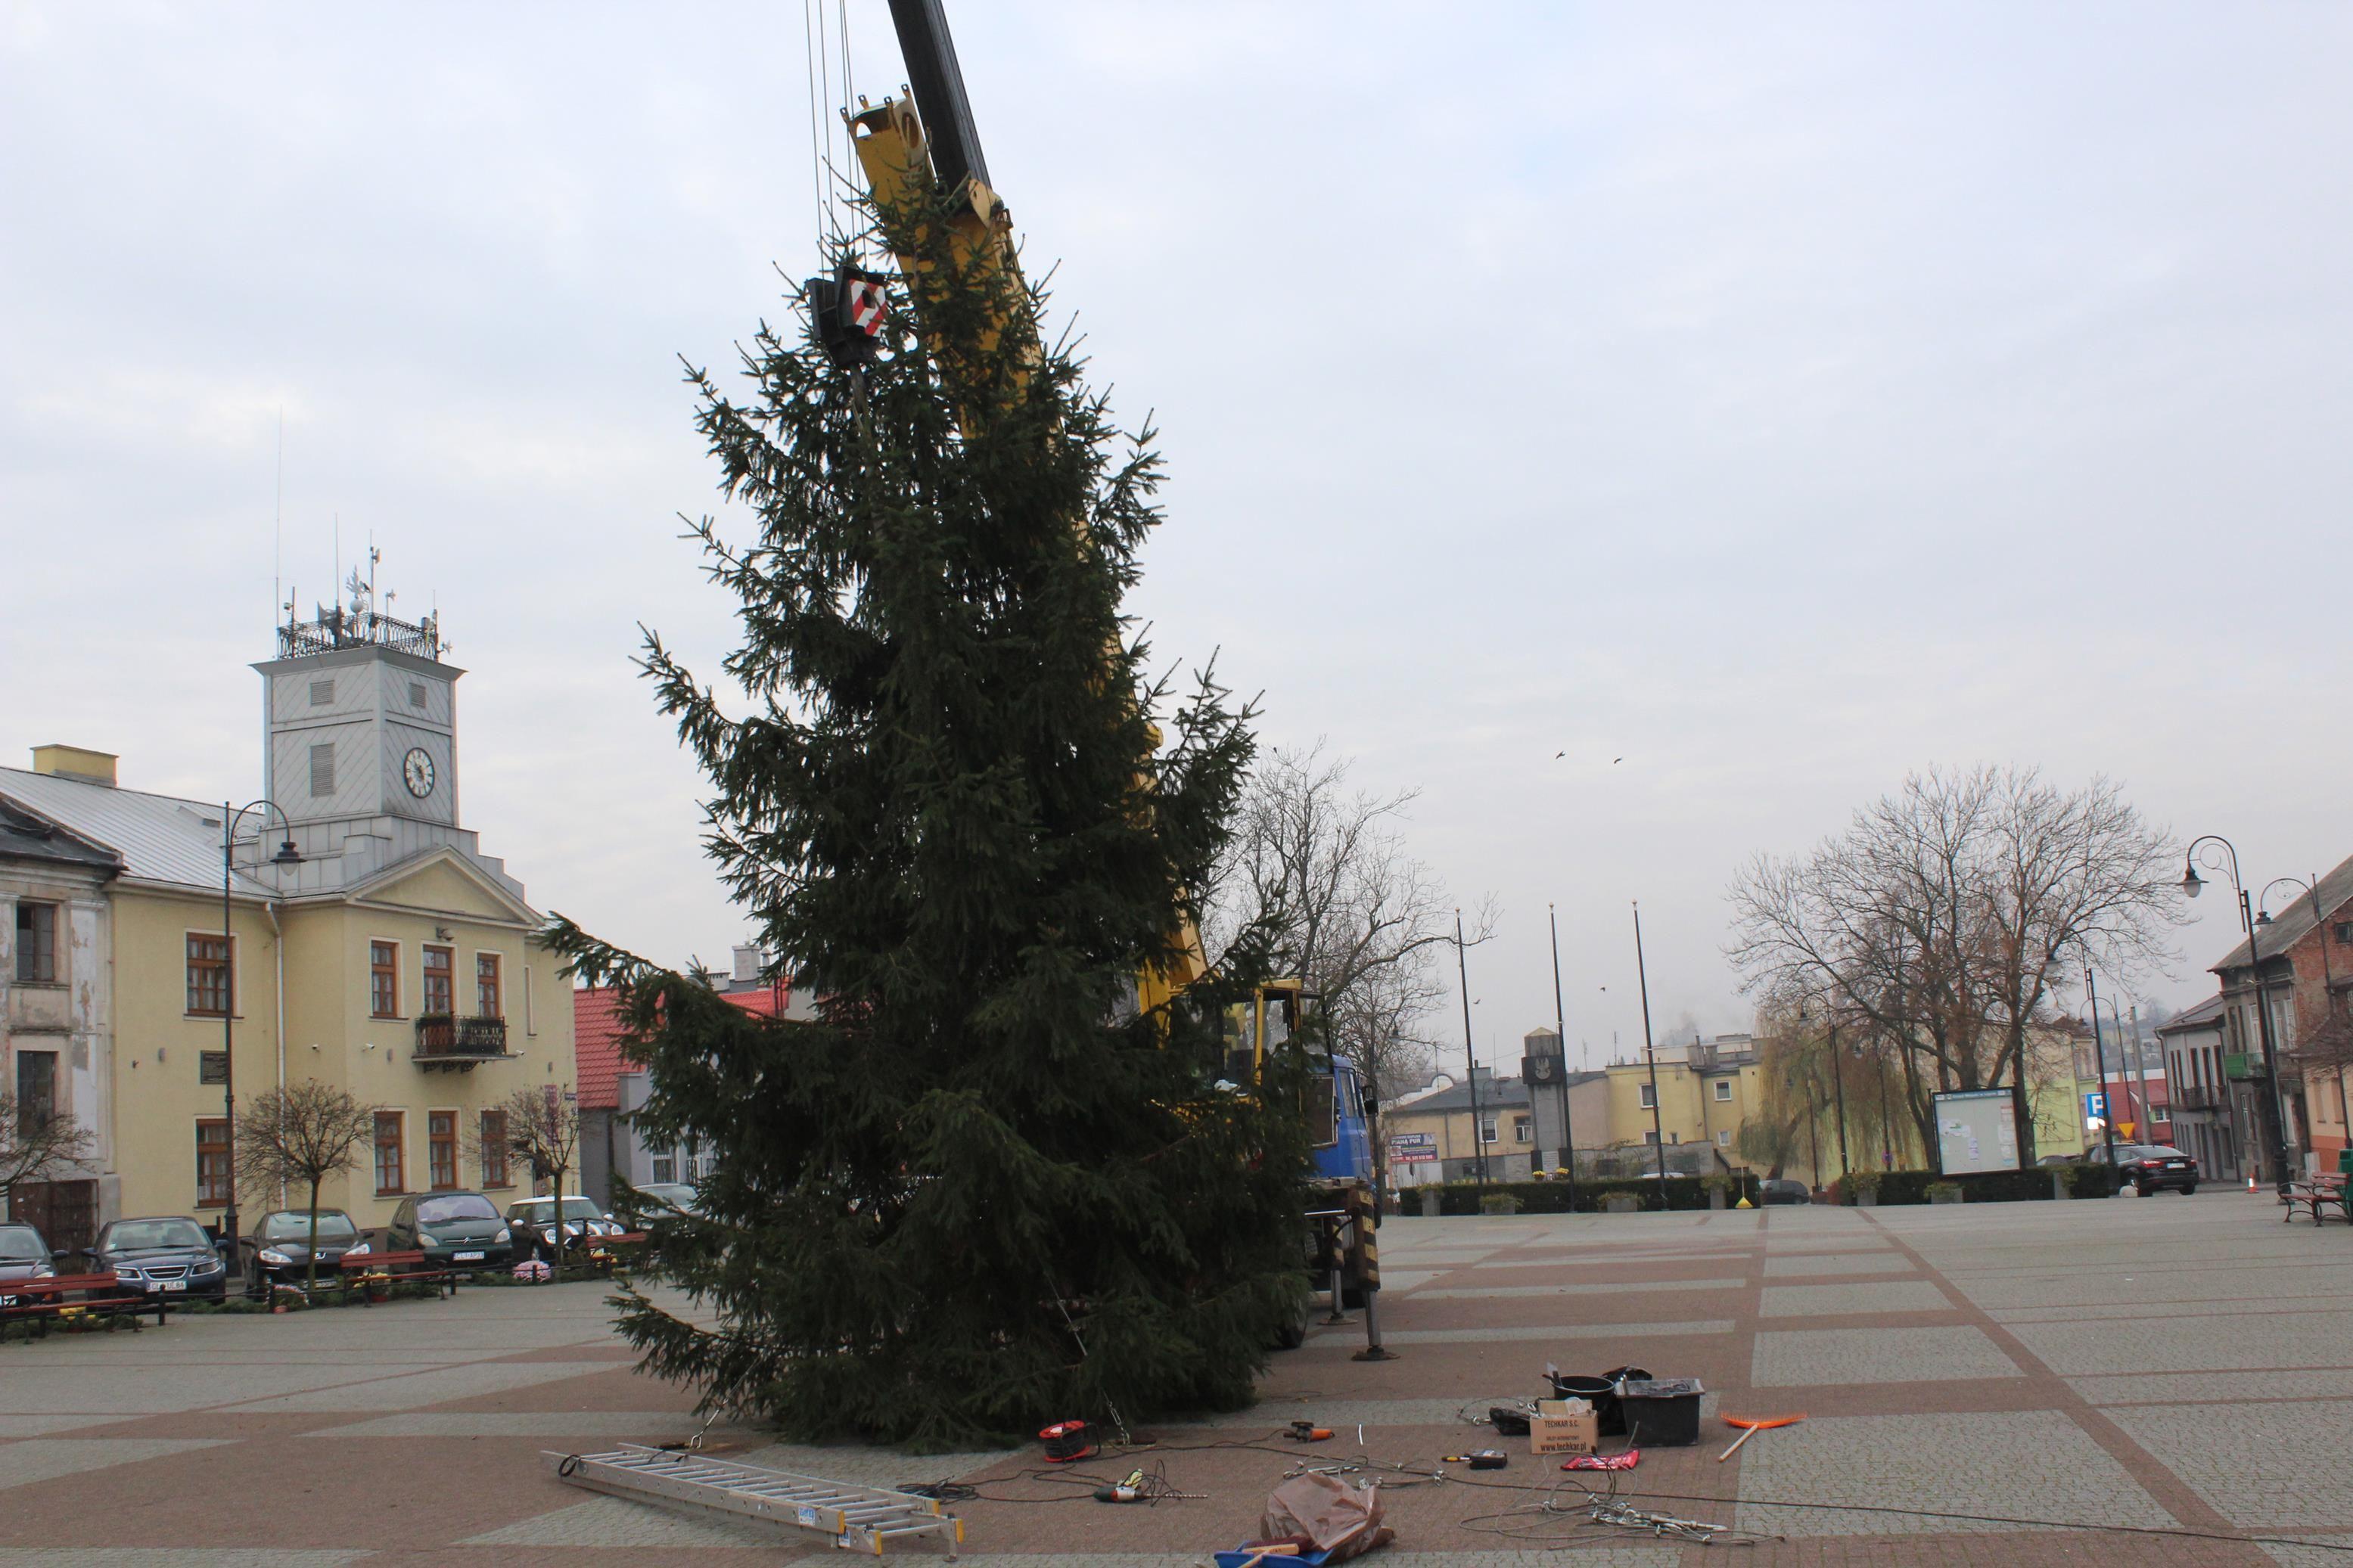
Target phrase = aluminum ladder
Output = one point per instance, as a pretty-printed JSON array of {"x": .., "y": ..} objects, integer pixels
[{"x": 859, "y": 1518}]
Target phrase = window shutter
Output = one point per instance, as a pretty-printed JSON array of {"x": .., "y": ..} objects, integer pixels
[
  {"x": 322, "y": 770},
  {"x": 323, "y": 693}
]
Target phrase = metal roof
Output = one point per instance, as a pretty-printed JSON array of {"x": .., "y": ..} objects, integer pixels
[
  {"x": 159, "y": 838},
  {"x": 25, "y": 836},
  {"x": 2293, "y": 921},
  {"x": 2207, "y": 1015}
]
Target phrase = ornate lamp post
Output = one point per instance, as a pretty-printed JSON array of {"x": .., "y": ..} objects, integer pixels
[
  {"x": 2192, "y": 885},
  {"x": 287, "y": 856}
]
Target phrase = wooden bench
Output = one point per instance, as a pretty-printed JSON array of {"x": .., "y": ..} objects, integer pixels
[
  {"x": 2325, "y": 1189},
  {"x": 372, "y": 1271},
  {"x": 61, "y": 1298}
]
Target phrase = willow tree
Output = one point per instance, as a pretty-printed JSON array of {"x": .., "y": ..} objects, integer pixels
[{"x": 983, "y": 1189}]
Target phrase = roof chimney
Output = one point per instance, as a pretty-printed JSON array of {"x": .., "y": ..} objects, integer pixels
[
  {"x": 747, "y": 965},
  {"x": 74, "y": 763}
]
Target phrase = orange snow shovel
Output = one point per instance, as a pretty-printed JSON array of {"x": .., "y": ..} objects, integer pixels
[{"x": 1752, "y": 1424}]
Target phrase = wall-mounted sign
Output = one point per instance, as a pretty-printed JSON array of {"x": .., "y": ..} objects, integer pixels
[{"x": 1408, "y": 1148}]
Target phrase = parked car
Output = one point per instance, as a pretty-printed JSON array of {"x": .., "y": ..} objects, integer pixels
[
  {"x": 583, "y": 1222},
  {"x": 168, "y": 1256},
  {"x": 2149, "y": 1166},
  {"x": 452, "y": 1229},
  {"x": 23, "y": 1256},
  {"x": 662, "y": 1199},
  {"x": 277, "y": 1250},
  {"x": 1783, "y": 1190}
]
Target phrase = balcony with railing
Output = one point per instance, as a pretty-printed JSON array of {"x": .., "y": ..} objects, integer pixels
[
  {"x": 460, "y": 1044},
  {"x": 2197, "y": 1096}
]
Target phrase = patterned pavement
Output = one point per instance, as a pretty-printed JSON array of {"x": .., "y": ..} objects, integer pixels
[{"x": 2152, "y": 1380}]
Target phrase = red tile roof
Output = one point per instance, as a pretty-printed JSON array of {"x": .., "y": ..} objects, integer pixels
[
  {"x": 596, "y": 1037},
  {"x": 597, "y": 1048}
]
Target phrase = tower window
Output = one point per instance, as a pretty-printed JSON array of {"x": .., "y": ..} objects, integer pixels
[
  {"x": 416, "y": 695},
  {"x": 323, "y": 693},
  {"x": 322, "y": 770}
]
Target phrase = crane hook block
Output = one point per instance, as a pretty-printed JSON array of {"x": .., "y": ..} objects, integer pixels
[{"x": 850, "y": 310}]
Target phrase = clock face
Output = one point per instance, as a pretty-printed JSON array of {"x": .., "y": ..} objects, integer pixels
[{"x": 417, "y": 772}]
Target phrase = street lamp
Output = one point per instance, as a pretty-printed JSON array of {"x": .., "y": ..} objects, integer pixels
[
  {"x": 1650, "y": 1054},
  {"x": 1560, "y": 1023},
  {"x": 1470, "y": 1057},
  {"x": 2100, "y": 1061},
  {"x": 1838, "y": 1081},
  {"x": 2192, "y": 885},
  {"x": 287, "y": 856}
]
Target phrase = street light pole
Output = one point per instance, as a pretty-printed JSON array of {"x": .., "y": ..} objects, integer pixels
[
  {"x": 1470, "y": 1056},
  {"x": 1560, "y": 1024},
  {"x": 2274, "y": 1140},
  {"x": 2100, "y": 1056},
  {"x": 1649, "y": 1053},
  {"x": 287, "y": 856},
  {"x": 1838, "y": 1084}
]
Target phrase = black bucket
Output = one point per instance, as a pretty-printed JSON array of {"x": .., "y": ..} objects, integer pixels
[
  {"x": 1610, "y": 1418},
  {"x": 1663, "y": 1414}
]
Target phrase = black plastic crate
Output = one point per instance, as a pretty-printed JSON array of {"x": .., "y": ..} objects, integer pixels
[{"x": 1660, "y": 1413}]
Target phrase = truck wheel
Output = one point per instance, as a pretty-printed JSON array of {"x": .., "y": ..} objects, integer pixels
[{"x": 1291, "y": 1333}]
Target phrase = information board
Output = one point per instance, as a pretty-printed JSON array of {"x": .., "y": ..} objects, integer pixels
[
  {"x": 1407, "y": 1148},
  {"x": 1975, "y": 1132}
]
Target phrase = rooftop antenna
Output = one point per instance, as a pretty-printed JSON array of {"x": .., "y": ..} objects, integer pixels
[{"x": 278, "y": 527}]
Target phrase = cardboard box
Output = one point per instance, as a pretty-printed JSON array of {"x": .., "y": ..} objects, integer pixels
[{"x": 1564, "y": 1426}]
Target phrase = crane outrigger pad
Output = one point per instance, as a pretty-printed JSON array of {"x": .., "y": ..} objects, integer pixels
[{"x": 858, "y": 1519}]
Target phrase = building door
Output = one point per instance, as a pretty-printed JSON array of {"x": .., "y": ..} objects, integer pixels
[{"x": 65, "y": 1213}]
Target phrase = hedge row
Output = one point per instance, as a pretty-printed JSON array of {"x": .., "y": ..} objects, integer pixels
[
  {"x": 1552, "y": 1197},
  {"x": 2030, "y": 1185}
]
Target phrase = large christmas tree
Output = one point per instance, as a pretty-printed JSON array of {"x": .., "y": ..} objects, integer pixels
[{"x": 983, "y": 1190}]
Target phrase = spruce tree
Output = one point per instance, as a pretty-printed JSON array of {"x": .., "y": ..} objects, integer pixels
[{"x": 982, "y": 1191}]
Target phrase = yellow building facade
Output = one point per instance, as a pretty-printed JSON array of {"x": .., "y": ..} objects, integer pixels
[
  {"x": 1704, "y": 1093},
  {"x": 386, "y": 956}
]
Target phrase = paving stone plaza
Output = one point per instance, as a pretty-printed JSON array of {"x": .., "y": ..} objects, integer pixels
[{"x": 1981, "y": 1384}]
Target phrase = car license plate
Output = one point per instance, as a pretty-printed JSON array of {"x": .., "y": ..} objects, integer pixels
[
  {"x": 465, "y": 1258},
  {"x": 167, "y": 1285}
]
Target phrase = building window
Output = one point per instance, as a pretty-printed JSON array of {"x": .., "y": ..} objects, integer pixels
[
  {"x": 1723, "y": 1139},
  {"x": 1522, "y": 1132},
  {"x": 1487, "y": 1129},
  {"x": 323, "y": 694},
  {"x": 416, "y": 695},
  {"x": 389, "y": 1160},
  {"x": 441, "y": 1149},
  {"x": 37, "y": 943},
  {"x": 494, "y": 1149},
  {"x": 208, "y": 976},
  {"x": 384, "y": 980},
  {"x": 212, "y": 1163},
  {"x": 1651, "y": 1138},
  {"x": 488, "y": 1003},
  {"x": 1724, "y": 1091},
  {"x": 441, "y": 990},
  {"x": 1674, "y": 1137},
  {"x": 37, "y": 1090},
  {"x": 1645, "y": 1096},
  {"x": 322, "y": 770},
  {"x": 665, "y": 1168}
]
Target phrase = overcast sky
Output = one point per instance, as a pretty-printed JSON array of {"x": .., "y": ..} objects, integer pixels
[{"x": 1779, "y": 398}]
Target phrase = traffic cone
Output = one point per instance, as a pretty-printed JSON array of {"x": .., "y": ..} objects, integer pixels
[{"x": 2251, "y": 1181}]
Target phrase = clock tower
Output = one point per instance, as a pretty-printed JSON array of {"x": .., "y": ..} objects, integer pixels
[{"x": 361, "y": 714}]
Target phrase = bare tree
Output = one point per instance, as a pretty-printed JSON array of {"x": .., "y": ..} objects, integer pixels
[
  {"x": 1945, "y": 916},
  {"x": 1352, "y": 912},
  {"x": 543, "y": 1127},
  {"x": 298, "y": 1136},
  {"x": 37, "y": 1145}
]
